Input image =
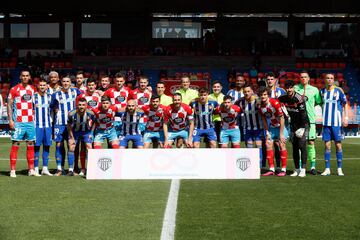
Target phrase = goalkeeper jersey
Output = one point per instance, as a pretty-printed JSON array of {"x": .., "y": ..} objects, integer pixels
[{"x": 313, "y": 98}]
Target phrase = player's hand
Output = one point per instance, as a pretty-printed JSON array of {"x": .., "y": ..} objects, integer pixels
[
  {"x": 282, "y": 139},
  {"x": 189, "y": 143},
  {"x": 345, "y": 122},
  {"x": 167, "y": 144},
  {"x": 11, "y": 125}
]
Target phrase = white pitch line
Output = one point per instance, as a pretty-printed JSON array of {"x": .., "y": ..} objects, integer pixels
[{"x": 168, "y": 227}]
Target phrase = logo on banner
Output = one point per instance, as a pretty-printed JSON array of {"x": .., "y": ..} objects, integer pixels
[
  {"x": 243, "y": 163},
  {"x": 104, "y": 163}
]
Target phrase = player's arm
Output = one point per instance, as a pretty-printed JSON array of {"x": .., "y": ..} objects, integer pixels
[
  {"x": 266, "y": 126},
  {"x": 318, "y": 99},
  {"x": 10, "y": 112},
  {"x": 345, "y": 106},
  {"x": 191, "y": 131},
  {"x": 69, "y": 126}
]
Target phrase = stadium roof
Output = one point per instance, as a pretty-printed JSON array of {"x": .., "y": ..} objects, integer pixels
[{"x": 178, "y": 6}]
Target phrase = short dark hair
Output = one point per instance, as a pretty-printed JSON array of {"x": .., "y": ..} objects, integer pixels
[
  {"x": 154, "y": 96},
  {"x": 177, "y": 94},
  {"x": 144, "y": 77},
  {"x": 270, "y": 74},
  {"x": 119, "y": 75},
  {"x": 105, "y": 98},
  {"x": 226, "y": 97},
  {"x": 263, "y": 89},
  {"x": 160, "y": 82},
  {"x": 91, "y": 80},
  {"x": 248, "y": 85},
  {"x": 216, "y": 82},
  {"x": 289, "y": 83},
  {"x": 82, "y": 100},
  {"x": 203, "y": 90},
  {"x": 43, "y": 80},
  {"x": 79, "y": 72}
]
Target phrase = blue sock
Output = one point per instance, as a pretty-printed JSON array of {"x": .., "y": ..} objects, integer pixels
[
  {"x": 339, "y": 157},
  {"x": 36, "y": 156},
  {"x": 45, "y": 155},
  {"x": 327, "y": 158},
  {"x": 71, "y": 157},
  {"x": 58, "y": 155},
  {"x": 261, "y": 156}
]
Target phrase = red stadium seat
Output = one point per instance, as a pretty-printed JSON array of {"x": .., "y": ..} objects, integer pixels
[
  {"x": 261, "y": 75},
  {"x": 246, "y": 74},
  {"x": 5, "y": 65},
  {"x": 320, "y": 65},
  {"x": 306, "y": 65},
  {"x": 68, "y": 64},
  {"x": 299, "y": 65},
  {"x": 61, "y": 65},
  {"x": 12, "y": 64},
  {"x": 342, "y": 65},
  {"x": 312, "y": 81},
  {"x": 335, "y": 65},
  {"x": 327, "y": 65},
  {"x": 282, "y": 80},
  {"x": 313, "y": 65},
  {"x": 47, "y": 64},
  {"x": 253, "y": 80}
]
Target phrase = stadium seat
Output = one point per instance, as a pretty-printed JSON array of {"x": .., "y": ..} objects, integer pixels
[
  {"x": 320, "y": 65},
  {"x": 12, "y": 64},
  {"x": 306, "y": 65},
  {"x": 335, "y": 65},
  {"x": 313, "y": 65},
  {"x": 312, "y": 81},
  {"x": 342, "y": 65},
  {"x": 253, "y": 80},
  {"x": 5, "y": 65},
  {"x": 299, "y": 65}
]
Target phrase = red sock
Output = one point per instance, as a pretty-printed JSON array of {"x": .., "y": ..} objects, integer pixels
[
  {"x": 283, "y": 156},
  {"x": 82, "y": 159},
  {"x": 115, "y": 146},
  {"x": 270, "y": 157},
  {"x": 236, "y": 145},
  {"x": 97, "y": 147},
  {"x": 13, "y": 156},
  {"x": 30, "y": 156}
]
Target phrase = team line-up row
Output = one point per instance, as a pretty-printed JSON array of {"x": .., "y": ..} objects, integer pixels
[{"x": 86, "y": 116}]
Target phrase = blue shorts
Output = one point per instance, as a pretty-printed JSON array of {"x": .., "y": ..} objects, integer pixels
[
  {"x": 332, "y": 133},
  {"x": 101, "y": 135},
  {"x": 43, "y": 136},
  {"x": 60, "y": 133},
  {"x": 275, "y": 133},
  {"x": 86, "y": 137},
  {"x": 208, "y": 133},
  {"x": 117, "y": 126},
  {"x": 23, "y": 131},
  {"x": 142, "y": 127},
  {"x": 137, "y": 140},
  {"x": 254, "y": 135},
  {"x": 229, "y": 135},
  {"x": 172, "y": 136},
  {"x": 150, "y": 136}
]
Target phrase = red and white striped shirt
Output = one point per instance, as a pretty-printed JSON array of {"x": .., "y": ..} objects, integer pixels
[
  {"x": 272, "y": 110},
  {"x": 178, "y": 119},
  {"x": 119, "y": 97},
  {"x": 228, "y": 117},
  {"x": 105, "y": 118},
  {"x": 154, "y": 117},
  {"x": 23, "y": 103},
  {"x": 142, "y": 97},
  {"x": 93, "y": 100}
]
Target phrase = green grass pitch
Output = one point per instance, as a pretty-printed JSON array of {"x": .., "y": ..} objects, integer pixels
[{"x": 315, "y": 207}]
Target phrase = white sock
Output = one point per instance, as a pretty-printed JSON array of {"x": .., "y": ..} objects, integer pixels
[
  {"x": 272, "y": 169},
  {"x": 45, "y": 168},
  {"x": 58, "y": 167},
  {"x": 71, "y": 169},
  {"x": 36, "y": 169},
  {"x": 283, "y": 169}
]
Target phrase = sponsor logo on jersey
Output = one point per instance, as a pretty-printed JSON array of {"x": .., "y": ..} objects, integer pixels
[{"x": 26, "y": 97}]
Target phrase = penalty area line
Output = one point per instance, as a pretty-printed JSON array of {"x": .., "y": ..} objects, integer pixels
[{"x": 169, "y": 222}]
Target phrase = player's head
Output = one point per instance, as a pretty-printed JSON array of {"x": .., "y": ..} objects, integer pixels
[
  {"x": 91, "y": 84},
  {"x": 227, "y": 102},
  {"x": 185, "y": 82},
  {"x": 264, "y": 94},
  {"x": 289, "y": 87},
  {"x": 330, "y": 79},
  {"x": 105, "y": 102},
  {"x": 53, "y": 77},
  {"x": 155, "y": 101},
  {"x": 248, "y": 91},
  {"x": 160, "y": 88},
  {"x": 304, "y": 77},
  {"x": 82, "y": 105},
  {"x": 25, "y": 76},
  {"x": 271, "y": 80},
  {"x": 79, "y": 78},
  {"x": 105, "y": 81},
  {"x": 119, "y": 80},
  {"x": 131, "y": 105},
  {"x": 177, "y": 99},
  {"x": 66, "y": 82},
  {"x": 143, "y": 82},
  {"x": 42, "y": 86},
  {"x": 239, "y": 81},
  {"x": 216, "y": 87},
  {"x": 203, "y": 94}
]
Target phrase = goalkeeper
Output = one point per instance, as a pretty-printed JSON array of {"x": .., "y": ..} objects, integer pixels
[
  {"x": 299, "y": 125},
  {"x": 313, "y": 98}
]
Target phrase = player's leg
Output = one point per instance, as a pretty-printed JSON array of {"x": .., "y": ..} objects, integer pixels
[
  {"x": 47, "y": 142},
  {"x": 326, "y": 136},
  {"x": 83, "y": 152},
  {"x": 235, "y": 138},
  {"x": 59, "y": 143},
  {"x": 197, "y": 134},
  {"x": 339, "y": 157},
  {"x": 71, "y": 153},
  {"x": 76, "y": 155},
  {"x": 13, "y": 157},
  {"x": 30, "y": 137},
  {"x": 224, "y": 138},
  {"x": 311, "y": 151},
  {"x": 296, "y": 154},
  {"x": 40, "y": 137},
  {"x": 270, "y": 151},
  {"x": 138, "y": 141},
  {"x": 147, "y": 139}
]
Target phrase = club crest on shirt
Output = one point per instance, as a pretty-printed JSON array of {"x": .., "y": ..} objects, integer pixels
[
  {"x": 92, "y": 103},
  {"x": 178, "y": 120},
  {"x": 120, "y": 98},
  {"x": 143, "y": 99},
  {"x": 26, "y": 97}
]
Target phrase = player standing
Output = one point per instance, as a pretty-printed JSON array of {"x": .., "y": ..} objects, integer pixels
[
  {"x": 237, "y": 93},
  {"x": 313, "y": 98},
  {"x": 217, "y": 96},
  {"x": 21, "y": 121},
  {"x": 204, "y": 126},
  {"x": 43, "y": 122},
  {"x": 187, "y": 94},
  {"x": 165, "y": 100},
  {"x": 335, "y": 116},
  {"x": 275, "y": 131},
  {"x": 299, "y": 126}
]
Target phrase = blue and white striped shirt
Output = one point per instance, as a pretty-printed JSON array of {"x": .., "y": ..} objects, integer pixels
[
  {"x": 333, "y": 100},
  {"x": 81, "y": 123},
  {"x": 236, "y": 95},
  {"x": 277, "y": 92},
  {"x": 203, "y": 113},
  {"x": 64, "y": 102},
  {"x": 251, "y": 113},
  {"x": 42, "y": 110},
  {"x": 130, "y": 123}
]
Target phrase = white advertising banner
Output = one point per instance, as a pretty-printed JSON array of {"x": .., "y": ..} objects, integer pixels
[{"x": 173, "y": 164}]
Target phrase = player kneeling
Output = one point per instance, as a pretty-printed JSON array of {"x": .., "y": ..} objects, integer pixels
[
  {"x": 104, "y": 129},
  {"x": 80, "y": 128},
  {"x": 229, "y": 130},
  {"x": 130, "y": 130}
]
